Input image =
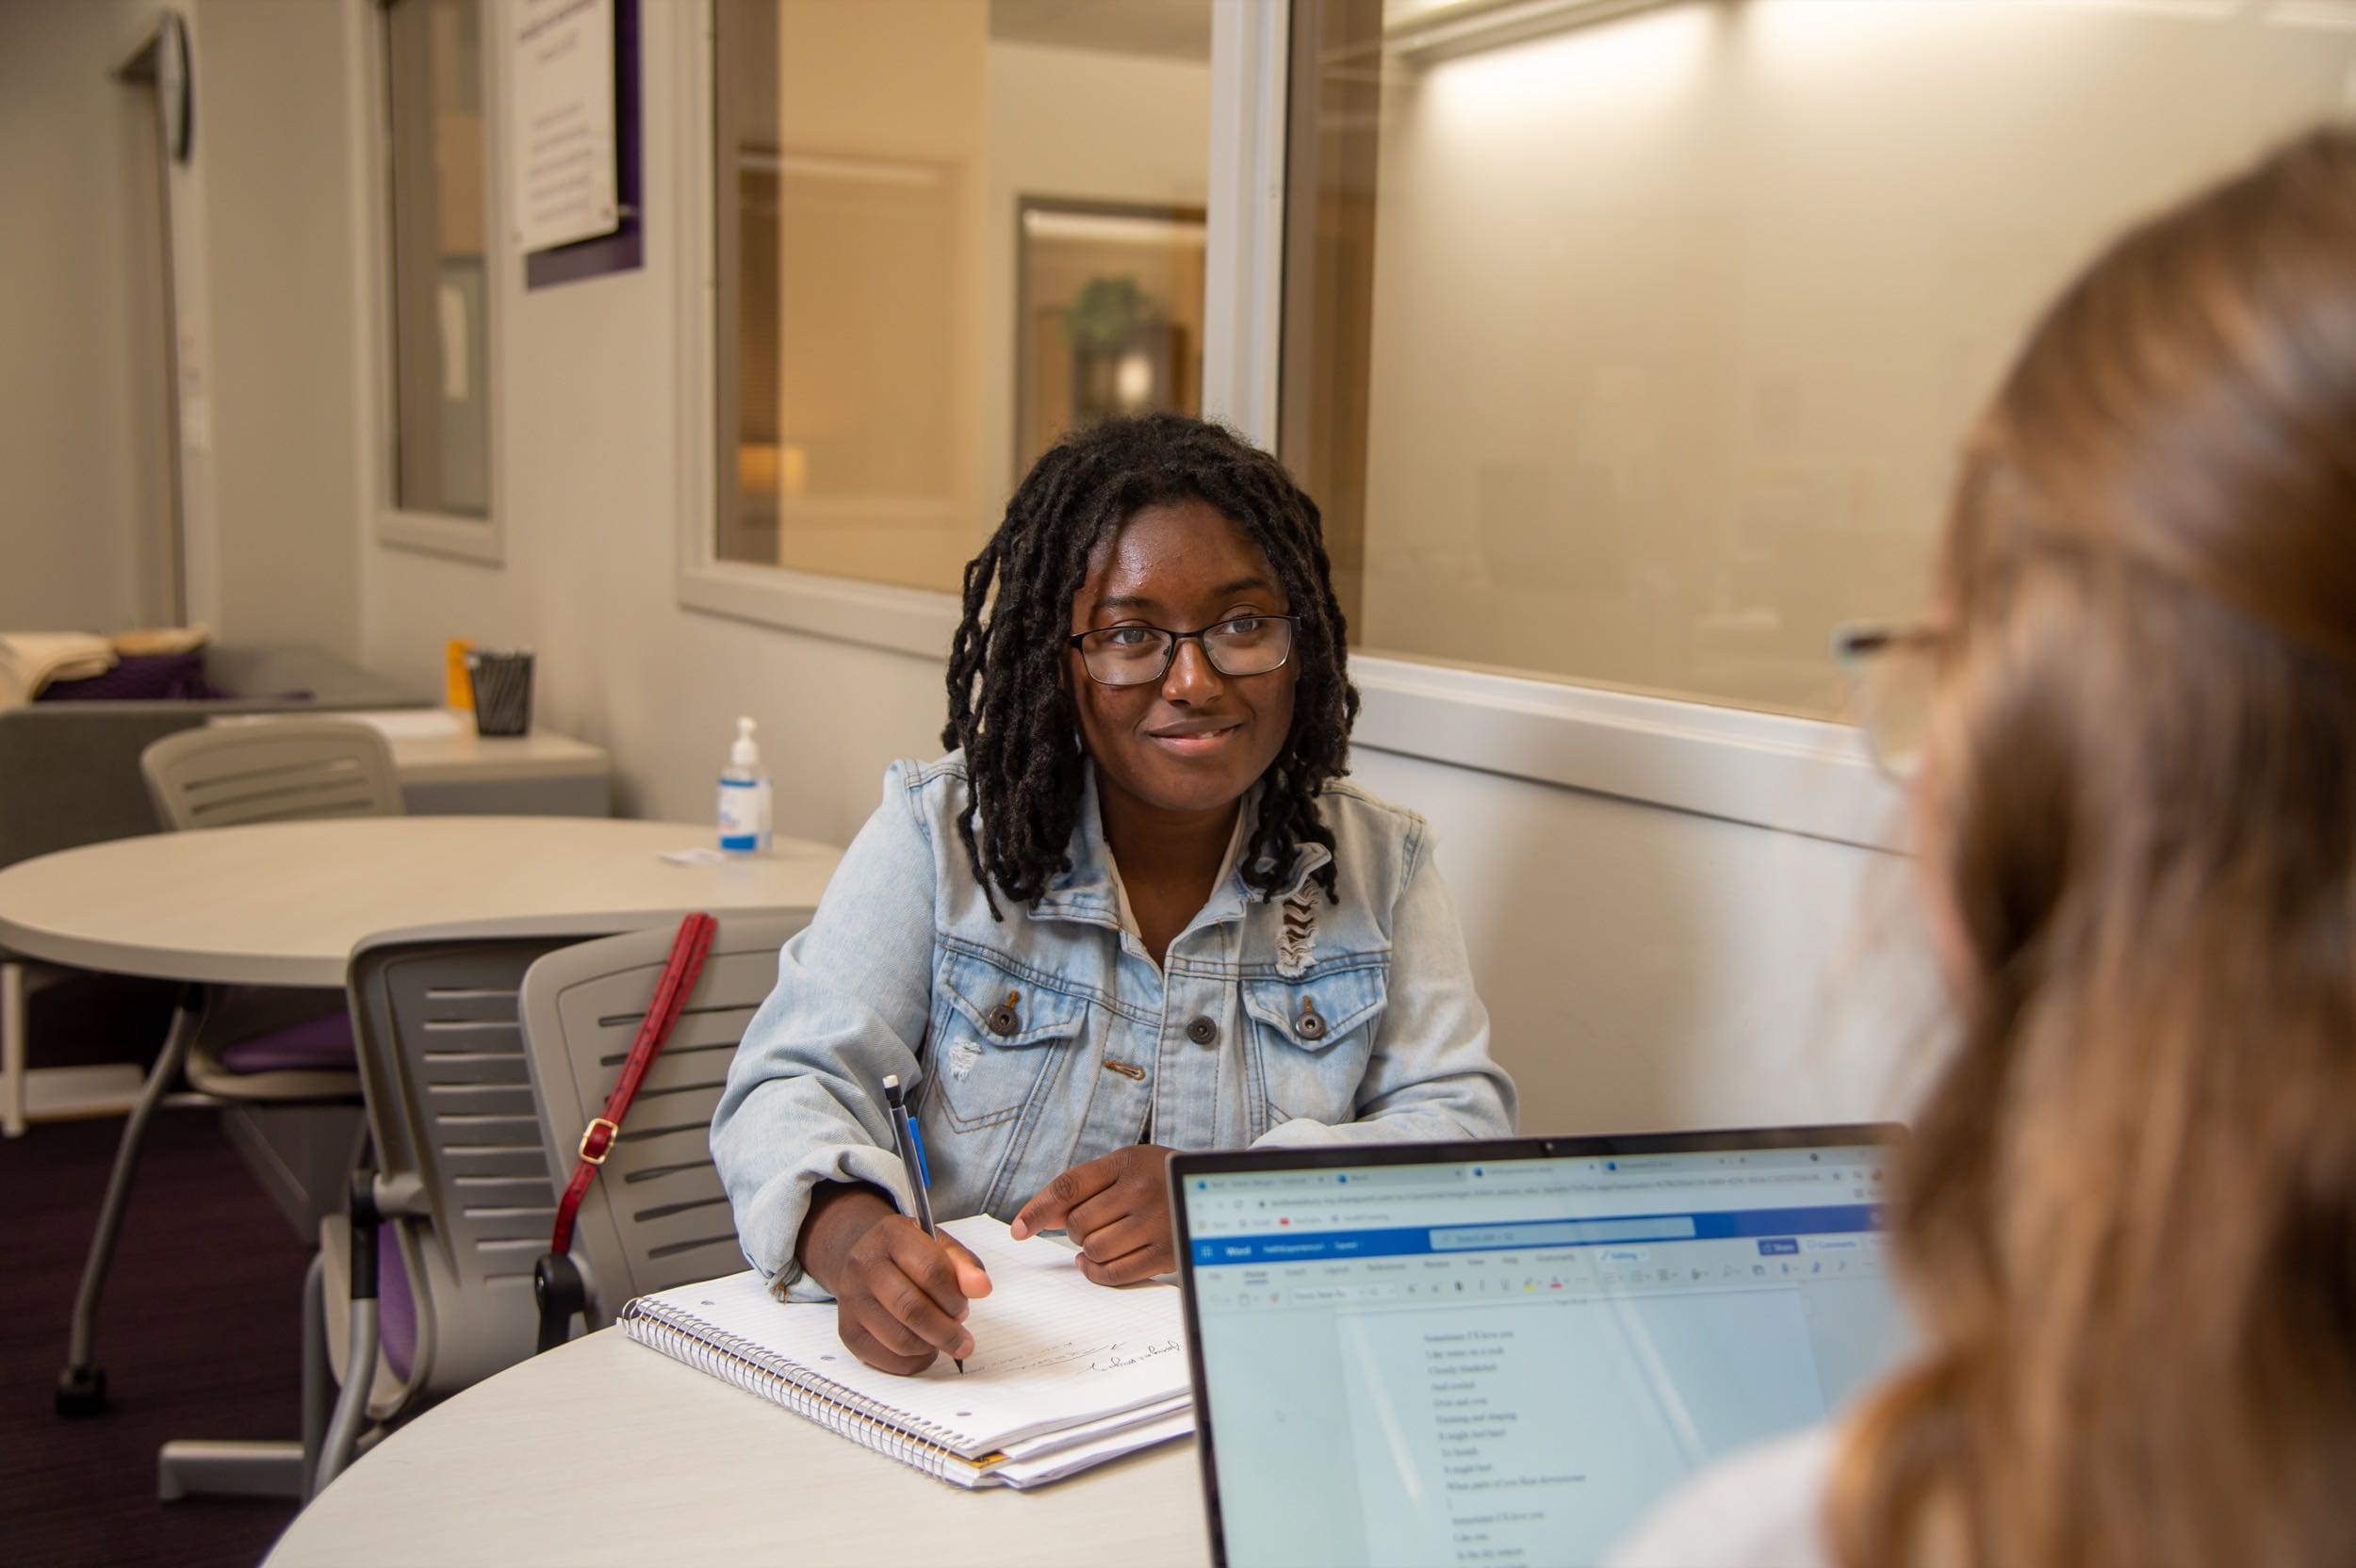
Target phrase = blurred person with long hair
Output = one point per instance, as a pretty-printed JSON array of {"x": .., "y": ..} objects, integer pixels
[{"x": 2127, "y": 1223}]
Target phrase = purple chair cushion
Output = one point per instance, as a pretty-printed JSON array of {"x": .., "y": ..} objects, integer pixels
[
  {"x": 396, "y": 1308},
  {"x": 141, "y": 678},
  {"x": 321, "y": 1044}
]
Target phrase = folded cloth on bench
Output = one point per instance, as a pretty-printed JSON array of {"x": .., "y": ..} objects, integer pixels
[
  {"x": 151, "y": 639},
  {"x": 141, "y": 678},
  {"x": 163, "y": 663},
  {"x": 31, "y": 659}
]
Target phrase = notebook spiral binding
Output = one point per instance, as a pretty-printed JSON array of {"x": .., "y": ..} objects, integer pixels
[{"x": 919, "y": 1443}]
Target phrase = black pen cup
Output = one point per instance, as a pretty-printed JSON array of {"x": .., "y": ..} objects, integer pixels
[{"x": 502, "y": 690}]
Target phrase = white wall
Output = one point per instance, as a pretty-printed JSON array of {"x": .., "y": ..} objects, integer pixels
[
  {"x": 1647, "y": 968},
  {"x": 1644, "y": 967},
  {"x": 263, "y": 286},
  {"x": 73, "y": 482},
  {"x": 589, "y": 452},
  {"x": 273, "y": 145}
]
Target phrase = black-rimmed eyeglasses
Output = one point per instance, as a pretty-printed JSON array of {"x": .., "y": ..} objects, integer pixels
[
  {"x": 1893, "y": 676},
  {"x": 1137, "y": 655}
]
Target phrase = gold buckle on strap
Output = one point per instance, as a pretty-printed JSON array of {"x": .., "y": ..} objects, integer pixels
[{"x": 605, "y": 1145}]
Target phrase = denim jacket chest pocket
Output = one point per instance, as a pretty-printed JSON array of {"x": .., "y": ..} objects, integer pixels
[
  {"x": 994, "y": 1039},
  {"x": 1313, "y": 1036}
]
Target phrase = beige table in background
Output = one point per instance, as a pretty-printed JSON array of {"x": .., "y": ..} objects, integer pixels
[
  {"x": 447, "y": 769},
  {"x": 284, "y": 903},
  {"x": 605, "y": 1451}
]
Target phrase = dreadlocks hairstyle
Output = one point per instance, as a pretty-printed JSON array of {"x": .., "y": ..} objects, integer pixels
[{"x": 1008, "y": 706}]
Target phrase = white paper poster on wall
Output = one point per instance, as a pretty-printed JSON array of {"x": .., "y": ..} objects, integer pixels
[{"x": 561, "y": 123}]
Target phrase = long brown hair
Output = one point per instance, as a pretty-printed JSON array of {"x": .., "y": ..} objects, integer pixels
[{"x": 2128, "y": 1222}]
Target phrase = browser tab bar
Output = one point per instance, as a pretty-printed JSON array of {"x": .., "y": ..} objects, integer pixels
[{"x": 1563, "y": 1231}]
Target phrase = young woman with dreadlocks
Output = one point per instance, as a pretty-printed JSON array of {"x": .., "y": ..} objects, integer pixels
[{"x": 1135, "y": 911}]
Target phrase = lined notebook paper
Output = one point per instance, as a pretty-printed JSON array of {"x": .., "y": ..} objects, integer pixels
[{"x": 1065, "y": 1373}]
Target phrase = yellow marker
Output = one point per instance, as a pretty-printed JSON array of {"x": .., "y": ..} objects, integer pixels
[{"x": 457, "y": 685}]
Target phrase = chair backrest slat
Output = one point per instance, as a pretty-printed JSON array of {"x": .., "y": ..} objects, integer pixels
[
  {"x": 451, "y": 1103},
  {"x": 275, "y": 770},
  {"x": 656, "y": 1216}
]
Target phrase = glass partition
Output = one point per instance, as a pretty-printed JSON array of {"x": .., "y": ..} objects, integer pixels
[
  {"x": 946, "y": 231},
  {"x": 441, "y": 311},
  {"x": 1628, "y": 344}
]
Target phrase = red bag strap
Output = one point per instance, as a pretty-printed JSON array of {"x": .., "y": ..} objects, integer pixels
[{"x": 687, "y": 951}]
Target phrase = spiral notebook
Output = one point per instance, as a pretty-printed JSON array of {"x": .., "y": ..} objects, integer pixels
[{"x": 1065, "y": 1373}]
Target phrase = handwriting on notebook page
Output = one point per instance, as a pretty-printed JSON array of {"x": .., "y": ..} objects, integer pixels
[
  {"x": 1123, "y": 1355},
  {"x": 1043, "y": 1320}
]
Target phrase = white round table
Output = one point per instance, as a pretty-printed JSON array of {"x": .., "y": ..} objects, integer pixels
[
  {"x": 284, "y": 903},
  {"x": 605, "y": 1451}
]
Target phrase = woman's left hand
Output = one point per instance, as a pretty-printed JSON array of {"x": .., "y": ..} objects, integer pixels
[{"x": 1116, "y": 1209}]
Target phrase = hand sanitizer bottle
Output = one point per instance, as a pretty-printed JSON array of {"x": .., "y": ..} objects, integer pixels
[{"x": 744, "y": 797}]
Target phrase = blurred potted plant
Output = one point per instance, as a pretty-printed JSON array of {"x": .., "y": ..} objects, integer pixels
[{"x": 1119, "y": 348}]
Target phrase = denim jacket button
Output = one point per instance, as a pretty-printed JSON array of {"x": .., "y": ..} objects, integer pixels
[
  {"x": 1003, "y": 1020},
  {"x": 1311, "y": 1025},
  {"x": 1201, "y": 1030}
]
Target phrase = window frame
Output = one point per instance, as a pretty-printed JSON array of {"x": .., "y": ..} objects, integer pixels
[
  {"x": 1766, "y": 770},
  {"x": 912, "y": 621},
  {"x": 452, "y": 534}
]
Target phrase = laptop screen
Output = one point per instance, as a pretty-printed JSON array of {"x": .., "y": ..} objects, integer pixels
[{"x": 1504, "y": 1353}]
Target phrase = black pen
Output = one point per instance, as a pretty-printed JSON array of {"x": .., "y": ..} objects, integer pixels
[{"x": 909, "y": 1145}]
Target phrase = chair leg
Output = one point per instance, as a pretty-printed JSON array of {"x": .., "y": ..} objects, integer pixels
[
  {"x": 198, "y": 1468},
  {"x": 318, "y": 1378},
  {"x": 82, "y": 1385},
  {"x": 352, "y": 1401},
  {"x": 187, "y": 1467},
  {"x": 13, "y": 1049}
]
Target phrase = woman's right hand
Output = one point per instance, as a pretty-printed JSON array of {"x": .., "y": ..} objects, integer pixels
[{"x": 900, "y": 1296}]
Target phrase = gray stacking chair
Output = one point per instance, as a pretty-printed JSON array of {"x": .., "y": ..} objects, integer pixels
[
  {"x": 656, "y": 1216},
  {"x": 459, "y": 1205},
  {"x": 240, "y": 1045},
  {"x": 270, "y": 770},
  {"x": 265, "y": 771}
]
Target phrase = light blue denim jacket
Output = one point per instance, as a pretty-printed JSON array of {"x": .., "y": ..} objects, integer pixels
[{"x": 1051, "y": 1038}]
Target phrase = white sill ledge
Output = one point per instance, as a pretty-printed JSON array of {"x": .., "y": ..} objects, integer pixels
[
  {"x": 899, "y": 620},
  {"x": 1768, "y": 770},
  {"x": 479, "y": 539}
]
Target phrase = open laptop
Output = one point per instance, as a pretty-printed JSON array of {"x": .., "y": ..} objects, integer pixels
[{"x": 1507, "y": 1351}]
